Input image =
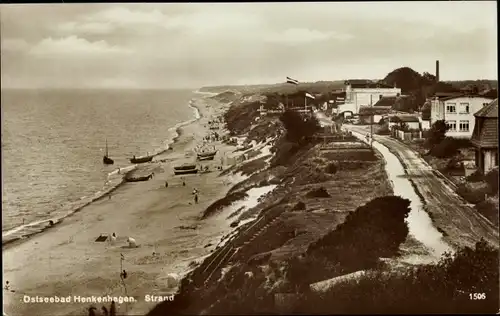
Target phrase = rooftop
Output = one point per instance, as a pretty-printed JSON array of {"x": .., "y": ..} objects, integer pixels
[
  {"x": 372, "y": 110},
  {"x": 364, "y": 83},
  {"x": 489, "y": 111},
  {"x": 386, "y": 101},
  {"x": 404, "y": 118},
  {"x": 465, "y": 95}
]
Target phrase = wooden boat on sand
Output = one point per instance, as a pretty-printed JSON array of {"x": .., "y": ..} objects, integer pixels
[
  {"x": 206, "y": 153},
  {"x": 185, "y": 169},
  {"x": 141, "y": 159},
  {"x": 139, "y": 179}
]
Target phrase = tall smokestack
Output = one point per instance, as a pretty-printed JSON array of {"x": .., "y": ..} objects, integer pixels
[{"x": 437, "y": 70}]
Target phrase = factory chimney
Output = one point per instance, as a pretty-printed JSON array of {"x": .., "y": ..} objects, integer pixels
[{"x": 437, "y": 70}]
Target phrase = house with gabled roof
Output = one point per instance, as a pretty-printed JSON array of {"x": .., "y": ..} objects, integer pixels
[
  {"x": 457, "y": 110},
  {"x": 485, "y": 137}
]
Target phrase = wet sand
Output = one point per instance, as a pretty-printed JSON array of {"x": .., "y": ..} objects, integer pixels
[{"x": 66, "y": 260}]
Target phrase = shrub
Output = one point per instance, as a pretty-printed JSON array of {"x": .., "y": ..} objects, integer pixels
[
  {"x": 427, "y": 289},
  {"x": 284, "y": 151},
  {"x": 448, "y": 147},
  {"x": 299, "y": 127},
  {"x": 373, "y": 230},
  {"x": 331, "y": 168},
  {"x": 476, "y": 176},
  {"x": 318, "y": 193},
  {"x": 300, "y": 206},
  {"x": 471, "y": 194},
  {"x": 384, "y": 130},
  {"x": 491, "y": 179},
  {"x": 489, "y": 208},
  {"x": 436, "y": 133}
]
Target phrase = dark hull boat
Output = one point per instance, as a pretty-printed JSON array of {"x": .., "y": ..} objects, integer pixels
[
  {"x": 206, "y": 153},
  {"x": 139, "y": 179},
  {"x": 206, "y": 156},
  {"x": 141, "y": 159},
  {"x": 185, "y": 169},
  {"x": 106, "y": 160}
]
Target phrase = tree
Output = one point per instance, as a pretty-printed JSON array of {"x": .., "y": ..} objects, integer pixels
[
  {"x": 299, "y": 127},
  {"x": 436, "y": 133}
]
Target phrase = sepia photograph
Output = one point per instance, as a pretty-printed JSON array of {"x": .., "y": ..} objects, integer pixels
[{"x": 271, "y": 158}]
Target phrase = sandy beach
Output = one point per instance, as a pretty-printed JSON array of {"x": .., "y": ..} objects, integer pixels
[{"x": 66, "y": 261}]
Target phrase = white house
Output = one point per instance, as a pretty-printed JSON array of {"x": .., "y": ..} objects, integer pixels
[
  {"x": 458, "y": 113},
  {"x": 366, "y": 93},
  {"x": 411, "y": 121}
]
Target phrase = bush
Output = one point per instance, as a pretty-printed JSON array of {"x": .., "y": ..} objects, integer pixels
[
  {"x": 373, "y": 230},
  {"x": 318, "y": 193},
  {"x": 285, "y": 150},
  {"x": 300, "y": 206},
  {"x": 476, "y": 176},
  {"x": 448, "y": 147},
  {"x": 299, "y": 127},
  {"x": 384, "y": 130},
  {"x": 489, "y": 208},
  {"x": 428, "y": 289},
  {"x": 331, "y": 168},
  {"x": 471, "y": 194},
  {"x": 491, "y": 179},
  {"x": 436, "y": 133}
]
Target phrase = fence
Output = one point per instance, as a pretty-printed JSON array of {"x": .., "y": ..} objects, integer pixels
[{"x": 407, "y": 136}]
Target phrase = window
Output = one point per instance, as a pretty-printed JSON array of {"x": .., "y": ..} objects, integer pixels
[
  {"x": 380, "y": 96},
  {"x": 451, "y": 108},
  {"x": 452, "y": 126},
  {"x": 464, "y": 108},
  {"x": 464, "y": 126}
]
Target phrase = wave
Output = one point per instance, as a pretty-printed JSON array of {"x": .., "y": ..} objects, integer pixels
[{"x": 114, "y": 180}]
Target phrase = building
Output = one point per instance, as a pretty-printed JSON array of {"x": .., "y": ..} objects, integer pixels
[
  {"x": 411, "y": 121},
  {"x": 386, "y": 101},
  {"x": 378, "y": 113},
  {"x": 366, "y": 93},
  {"x": 299, "y": 99},
  {"x": 457, "y": 110},
  {"x": 485, "y": 137}
]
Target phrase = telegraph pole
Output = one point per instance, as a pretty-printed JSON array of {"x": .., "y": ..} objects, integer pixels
[{"x": 371, "y": 122}]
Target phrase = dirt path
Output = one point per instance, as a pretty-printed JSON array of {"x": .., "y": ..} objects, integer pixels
[{"x": 462, "y": 225}]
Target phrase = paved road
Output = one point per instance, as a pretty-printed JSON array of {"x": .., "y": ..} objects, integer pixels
[{"x": 463, "y": 224}]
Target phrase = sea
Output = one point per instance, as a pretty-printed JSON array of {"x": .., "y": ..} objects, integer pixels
[{"x": 53, "y": 142}]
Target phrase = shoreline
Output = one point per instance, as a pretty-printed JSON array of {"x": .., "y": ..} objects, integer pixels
[
  {"x": 160, "y": 224},
  {"x": 18, "y": 234}
]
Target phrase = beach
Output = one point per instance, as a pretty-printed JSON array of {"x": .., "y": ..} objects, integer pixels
[{"x": 65, "y": 261}]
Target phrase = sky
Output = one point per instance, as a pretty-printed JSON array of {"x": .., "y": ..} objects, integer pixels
[{"x": 189, "y": 45}]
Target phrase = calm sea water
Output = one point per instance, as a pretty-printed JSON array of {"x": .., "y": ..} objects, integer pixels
[{"x": 53, "y": 142}]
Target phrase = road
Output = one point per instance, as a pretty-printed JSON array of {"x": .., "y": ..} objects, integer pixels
[{"x": 463, "y": 225}]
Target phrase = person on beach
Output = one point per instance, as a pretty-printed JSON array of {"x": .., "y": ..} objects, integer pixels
[
  {"x": 166, "y": 184},
  {"x": 196, "y": 198}
]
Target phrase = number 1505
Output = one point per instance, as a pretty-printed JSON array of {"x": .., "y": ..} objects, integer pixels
[{"x": 477, "y": 296}]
